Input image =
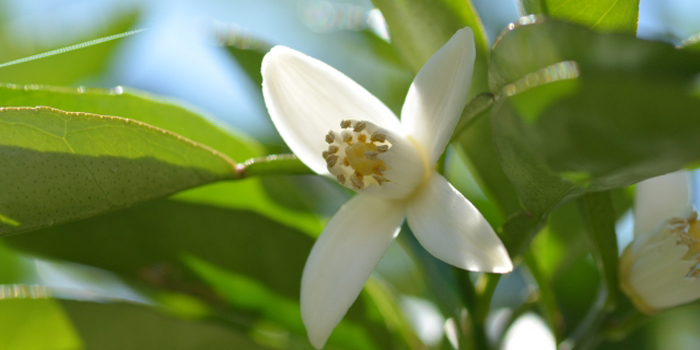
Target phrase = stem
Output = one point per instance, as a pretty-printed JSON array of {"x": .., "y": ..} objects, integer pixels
[
  {"x": 547, "y": 300},
  {"x": 598, "y": 216},
  {"x": 470, "y": 300},
  {"x": 586, "y": 335},
  {"x": 275, "y": 164}
]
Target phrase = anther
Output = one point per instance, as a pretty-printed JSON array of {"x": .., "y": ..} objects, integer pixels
[
  {"x": 333, "y": 149},
  {"x": 346, "y": 162},
  {"x": 359, "y": 126},
  {"x": 362, "y": 138},
  {"x": 378, "y": 178},
  {"x": 341, "y": 179},
  {"x": 379, "y": 170},
  {"x": 345, "y": 124},
  {"x": 347, "y": 138},
  {"x": 331, "y": 160},
  {"x": 371, "y": 155},
  {"x": 377, "y": 137},
  {"x": 325, "y": 154},
  {"x": 356, "y": 180},
  {"x": 382, "y": 148},
  {"x": 330, "y": 137}
]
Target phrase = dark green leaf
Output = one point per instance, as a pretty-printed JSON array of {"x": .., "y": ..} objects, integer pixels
[
  {"x": 532, "y": 47},
  {"x": 130, "y": 326},
  {"x": 626, "y": 115}
]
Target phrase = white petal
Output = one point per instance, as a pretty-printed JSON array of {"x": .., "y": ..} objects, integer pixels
[
  {"x": 453, "y": 230},
  {"x": 438, "y": 94},
  {"x": 306, "y": 98},
  {"x": 343, "y": 258},
  {"x": 658, "y": 199}
]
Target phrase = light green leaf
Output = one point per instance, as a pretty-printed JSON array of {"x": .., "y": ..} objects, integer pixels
[
  {"x": 419, "y": 28},
  {"x": 151, "y": 109},
  {"x": 59, "y": 166},
  {"x": 603, "y": 15},
  {"x": 36, "y": 324},
  {"x": 65, "y": 68}
]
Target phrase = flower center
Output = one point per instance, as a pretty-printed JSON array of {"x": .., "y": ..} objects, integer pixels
[{"x": 353, "y": 154}]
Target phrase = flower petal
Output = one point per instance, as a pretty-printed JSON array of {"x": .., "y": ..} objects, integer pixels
[
  {"x": 453, "y": 230},
  {"x": 438, "y": 94},
  {"x": 343, "y": 258},
  {"x": 306, "y": 98},
  {"x": 658, "y": 199}
]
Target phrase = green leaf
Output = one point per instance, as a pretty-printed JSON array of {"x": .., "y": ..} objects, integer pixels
[
  {"x": 166, "y": 114},
  {"x": 65, "y": 68},
  {"x": 599, "y": 112},
  {"x": 419, "y": 28},
  {"x": 147, "y": 244},
  {"x": 63, "y": 166},
  {"x": 130, "y": 326},
  {"x": 36, "y": 324},
  {"x": 186, "y": 122},
  {"x": 603, "y": 15}
]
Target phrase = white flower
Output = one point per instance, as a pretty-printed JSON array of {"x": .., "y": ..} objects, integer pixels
[
  {"x": 340, "y": 130},
  {"x": 659, "y": 269}
]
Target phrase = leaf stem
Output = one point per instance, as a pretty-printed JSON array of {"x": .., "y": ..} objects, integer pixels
[
  {"x": 471, "y": 301},
  {"x": 275, "y": 164},
  {"x": 546, "y": 298}
]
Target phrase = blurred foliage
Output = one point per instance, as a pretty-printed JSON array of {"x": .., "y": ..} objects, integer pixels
[
  {"x": 560, "y": 111},
  {"x": 67, "y": 67},
  {"x": 21, "y": 320}
]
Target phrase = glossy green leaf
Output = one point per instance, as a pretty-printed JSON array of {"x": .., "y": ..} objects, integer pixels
[
  {"x": 603, "y": 15},
  {"x": 599, "y": 119},
  {"x": 36, "y": 324},
  {"x": 65, "y": 68},
  {"x": 419, "y": 28},
  {"x": 127, "y": 103},
  {"x": 184, "y": 121},
  {"x": 59, "y": 166},
  {"x": 147, "y": 243}
]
